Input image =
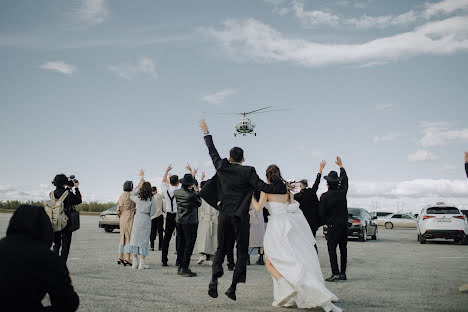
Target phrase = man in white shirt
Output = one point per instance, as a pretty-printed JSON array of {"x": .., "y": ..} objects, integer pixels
[
  {"x": 168, "y": 186},
  {"x": 157, "y": 220}
]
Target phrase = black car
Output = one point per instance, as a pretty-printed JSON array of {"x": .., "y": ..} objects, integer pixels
[{"x": 360, "y": 224}]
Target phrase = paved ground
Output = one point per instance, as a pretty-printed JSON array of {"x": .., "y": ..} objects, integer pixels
[{"x": 394, "y": 273}]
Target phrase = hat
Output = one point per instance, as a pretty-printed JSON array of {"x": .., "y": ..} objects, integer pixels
[
  {"x": 333, "y": 177},
  {"x": 187, "y": 180}
]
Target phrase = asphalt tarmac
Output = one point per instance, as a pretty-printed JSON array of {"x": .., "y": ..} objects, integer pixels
[{"x": 393, "y": 273}]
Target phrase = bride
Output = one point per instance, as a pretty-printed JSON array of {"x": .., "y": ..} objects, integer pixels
[{"x": 291, "y": 258}]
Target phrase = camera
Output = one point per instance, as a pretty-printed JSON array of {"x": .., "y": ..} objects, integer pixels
[{"x": 71, "y": 181}]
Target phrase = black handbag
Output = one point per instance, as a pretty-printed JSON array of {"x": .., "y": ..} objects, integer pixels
[{"x": 74, "y": 220}]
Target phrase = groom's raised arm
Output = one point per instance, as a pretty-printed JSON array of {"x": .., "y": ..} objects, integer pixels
[{"x": 217, "y": 161}]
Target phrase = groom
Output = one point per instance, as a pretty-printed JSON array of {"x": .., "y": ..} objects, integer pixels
[{"x": 230, "y": 191}]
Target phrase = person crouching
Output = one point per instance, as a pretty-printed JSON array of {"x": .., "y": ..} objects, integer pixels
[{"x": 187, "y": 222}]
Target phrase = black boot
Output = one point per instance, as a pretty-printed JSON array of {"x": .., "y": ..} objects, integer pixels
[
  {"x": 231, "y": 266},
  {"x": 333, "y": 278},
  {"x": 213, "y": 288},
  {"x": 231, "y": 293},
  {"x": 187, "y": 272},
  {"x": 260, "y": 260}
]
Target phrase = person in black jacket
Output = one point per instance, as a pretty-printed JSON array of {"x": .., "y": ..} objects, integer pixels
[
  {"x": 230, "y": 191},
  {"x": 63, "y": 238},
  {"x": 36, "y": 270},
  {"x": 334, "y": 213},
  {"x": 309, "y": 203},
  {"x": 188, "y": 202},
  {"x": 466, "y": 163}
]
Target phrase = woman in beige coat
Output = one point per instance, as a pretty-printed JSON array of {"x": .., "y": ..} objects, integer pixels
[
  {"x": 207, "y": 237},
  {"x": 126, "y": 212}
]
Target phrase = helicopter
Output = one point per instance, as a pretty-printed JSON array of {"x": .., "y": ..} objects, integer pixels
[{"x": 246, "y": 126}]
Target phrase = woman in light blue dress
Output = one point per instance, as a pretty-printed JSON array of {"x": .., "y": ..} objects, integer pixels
[{"x": 142, "y": 196}]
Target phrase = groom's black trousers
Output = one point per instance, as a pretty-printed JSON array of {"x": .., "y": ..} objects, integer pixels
[
  {"x": 337, "y": 236},
  {"x": 231, "y": 228}
]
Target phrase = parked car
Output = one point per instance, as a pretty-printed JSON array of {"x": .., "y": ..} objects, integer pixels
[
  {"x": 380, "y": 214},
  {"x": 360, "y": 224},
  {"x": 397, "y": 220},
  {"x": 442, "y": 221},
  {"x": 109, "y": 219}
]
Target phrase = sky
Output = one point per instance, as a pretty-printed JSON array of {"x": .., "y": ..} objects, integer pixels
[{"x": 101, "y": 88}]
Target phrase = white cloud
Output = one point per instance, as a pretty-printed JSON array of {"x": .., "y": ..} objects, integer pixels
[
  {"x": 384, "y": 107},
  {"x": 218, "y": 97},
  {"x": 411, "y": 188},
  {"x": 59, "y": 66},
  {"x": 445, "y": 7},
  {"x": 255, "y": 41},
  {"x": 421, "y": 155},
  {"x": 436, "y": 134},
  {"x": 92, "y": 12},
  {"x": 314, "y": 18},
  {"x": 145, "y": 66},
  {"x": 390, "y": 136}
]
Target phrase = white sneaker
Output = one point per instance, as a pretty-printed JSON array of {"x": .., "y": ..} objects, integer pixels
[
  {"x": 286, "y": 292},
  {"x": 143, "y": 266},
  {"x": 201, "y": 260},
  {"x": 135, "y": 263}
]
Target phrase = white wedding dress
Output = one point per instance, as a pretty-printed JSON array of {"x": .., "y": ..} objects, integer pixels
[{"x": 289, "y": 245}]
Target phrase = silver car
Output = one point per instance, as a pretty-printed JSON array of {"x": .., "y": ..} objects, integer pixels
[{"x": 109, "y": 220}]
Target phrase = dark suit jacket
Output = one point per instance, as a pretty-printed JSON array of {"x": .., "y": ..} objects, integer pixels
[
  {"x": 466, "y": 169},
  {"x": 333, "y": 203},
  {"x": 233, "y": 185},
  {"x": 309, "y": 204}
]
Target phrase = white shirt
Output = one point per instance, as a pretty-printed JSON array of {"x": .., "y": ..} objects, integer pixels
[{"x": 167, "y": 188}]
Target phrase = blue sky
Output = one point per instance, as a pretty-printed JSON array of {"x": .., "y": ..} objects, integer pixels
[{"x": 101, "y": 88}]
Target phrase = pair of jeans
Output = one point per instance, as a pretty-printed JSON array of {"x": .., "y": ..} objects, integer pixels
[
  {"x": 337, "y": 236},
  {"x": 157, "y": 228},
  {"x": 232, "y": 229},
  {"x": 170, "y": 226},
  {"x": 187, "y": 234},
  {"x": 62, "y": 240}
]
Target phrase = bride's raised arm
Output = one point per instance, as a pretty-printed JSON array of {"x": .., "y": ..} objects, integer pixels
[{"x": 258, "y": 205}]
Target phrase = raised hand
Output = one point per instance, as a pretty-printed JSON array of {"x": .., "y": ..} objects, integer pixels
[
  {"x": 189, "y": 168},
  {"x": 142, "y": 173},
  {"x": 195, "y": 171},
  {"x": 339, "y": 162},
  {"x": 466, "y": 156},
  {"x": 169, "y": 168},
  {"x": 323, "y": 163},
  {"x": 203, "y": 126}
]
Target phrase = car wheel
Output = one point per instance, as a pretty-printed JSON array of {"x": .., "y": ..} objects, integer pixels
[
  {"x": 421, "y": 239},
  {"x": 389, "y": 225},
  {"x": 108, "y": 229},
  {"x": 364, "y": 235}
]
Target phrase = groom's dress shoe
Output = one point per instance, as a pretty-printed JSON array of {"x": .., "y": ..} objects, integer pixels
[
  {"x": 231, "y": 293},
  {"x": 343, "y": 277},
  {"x": 213, "y": 289},
  {"x": 333, "y": 278}
]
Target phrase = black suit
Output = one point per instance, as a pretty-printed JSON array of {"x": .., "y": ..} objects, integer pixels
[
  {"x": 232, "y": 187},
  {"x": 466, "y": 169},
  {"x": 309, "y": 204},
  {"x": 334, "y": 212}
]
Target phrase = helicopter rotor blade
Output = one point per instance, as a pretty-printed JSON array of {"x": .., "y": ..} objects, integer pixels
[
  {"x": 273, "y": 110},
  {"x": 257, "y": 110}
]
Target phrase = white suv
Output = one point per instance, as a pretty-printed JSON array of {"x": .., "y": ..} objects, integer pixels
[{"x": 441, "y": 221}]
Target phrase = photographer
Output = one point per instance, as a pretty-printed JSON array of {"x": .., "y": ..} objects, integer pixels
[{"x": 63, "y": 238}]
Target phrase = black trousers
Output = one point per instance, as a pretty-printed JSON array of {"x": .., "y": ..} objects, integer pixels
[
  {"x": 232, "y": 229},
  {"x": 157, "y": 227},
  {"x": 170, "y": 226},
  {"x": 230, "y": 251},
  {"x": 187, "y": 234},
  {"x": 337, "y": 236},
  {"x": 63, "y": 239}
]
